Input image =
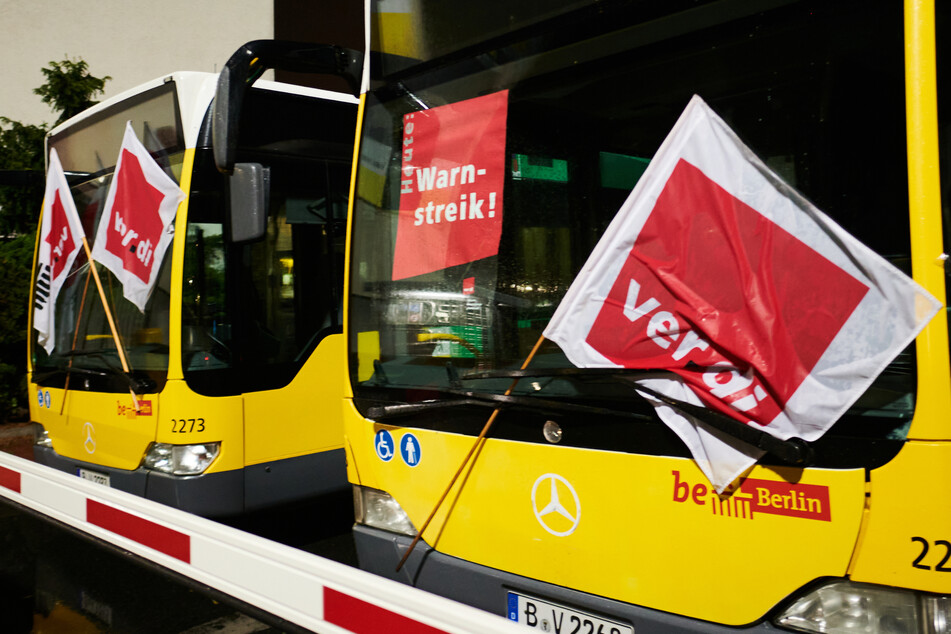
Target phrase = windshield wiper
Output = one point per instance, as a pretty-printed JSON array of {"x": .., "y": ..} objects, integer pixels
[
  {"x": 136, "y": 384},
  {"x": 794, "y": 451},
  {"x": 43, "y": 376},
  {"x": 492, "y": 400}
]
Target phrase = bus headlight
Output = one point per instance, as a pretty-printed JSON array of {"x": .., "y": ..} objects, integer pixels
[
  {"x": 41, "y": 437},
  {"x": 843, "y": 606},
  {"x": 181, "y": 459},
  {"x": 378, "y": 509}
]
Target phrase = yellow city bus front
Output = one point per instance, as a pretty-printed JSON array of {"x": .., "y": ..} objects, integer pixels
[
  {"x": 229, "y": 401},
  {"x": 581, "y": 510}
]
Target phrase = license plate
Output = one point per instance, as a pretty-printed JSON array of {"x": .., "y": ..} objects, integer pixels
[
  {"x": 93, "y": 476},
  {"x": 558, "y": 619}
]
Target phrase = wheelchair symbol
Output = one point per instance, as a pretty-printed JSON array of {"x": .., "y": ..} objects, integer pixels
[{"x": 384, "y": 445}]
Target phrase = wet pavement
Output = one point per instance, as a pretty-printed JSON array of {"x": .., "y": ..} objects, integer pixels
[
  {"x": 17, "y": 438},
  {"x": 54, "y": 579}
]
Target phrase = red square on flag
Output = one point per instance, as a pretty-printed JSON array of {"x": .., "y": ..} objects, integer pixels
[
  {"x": 136, "y": 225},
  {"x": 60, "y": 238},
  {"x": 709, "y": 268}
]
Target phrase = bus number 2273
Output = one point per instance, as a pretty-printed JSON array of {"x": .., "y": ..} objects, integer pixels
[{"x": 185, "y": 425}]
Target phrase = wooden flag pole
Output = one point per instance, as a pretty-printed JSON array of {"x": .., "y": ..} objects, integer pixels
[
  {"x": 112, "y": 323},
  {"x": 475, "y": 445}
]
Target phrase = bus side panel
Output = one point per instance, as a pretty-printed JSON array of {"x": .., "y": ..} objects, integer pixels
[
  {"x": 303, "y": 417},
  {"x": 189, "y": 418},
  {"x": 542, "y": 512},
  {"x": 908, "y": 538}
]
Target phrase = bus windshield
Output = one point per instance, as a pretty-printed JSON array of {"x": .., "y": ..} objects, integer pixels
[
  {"x": 88, "y": 151},
  {"x": 582, "y": 119}
]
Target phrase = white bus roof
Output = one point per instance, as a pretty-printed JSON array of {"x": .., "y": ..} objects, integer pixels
[{"x": 195, "y": 93}]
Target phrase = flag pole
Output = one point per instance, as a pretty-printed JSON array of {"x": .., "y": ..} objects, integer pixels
[
  {"x": 112, "y": 323},
  {"x": 79, "y": 316},
  {"x": 472, "y": 450}
]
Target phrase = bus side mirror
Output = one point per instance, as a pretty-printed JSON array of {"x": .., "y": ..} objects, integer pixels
[
  {"x": 224, "y": 121},
  {"x": 249, "y": 186},
  {"x": 249, "y": 62}
]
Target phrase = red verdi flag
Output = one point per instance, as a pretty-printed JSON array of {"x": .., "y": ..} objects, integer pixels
[
  {"x": 453, "y": 169},
  {"x": 61, "y": 236},
  {"x": 761, "y": 306},
  {"x": 136, "y": 224}
]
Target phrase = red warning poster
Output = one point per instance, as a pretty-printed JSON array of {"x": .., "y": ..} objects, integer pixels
[{"x": 453, "y": 170}]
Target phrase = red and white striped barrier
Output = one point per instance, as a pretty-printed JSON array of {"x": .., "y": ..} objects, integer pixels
[{"x": 310, "y": 591}]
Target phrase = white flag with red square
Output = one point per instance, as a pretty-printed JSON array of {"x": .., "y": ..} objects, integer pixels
[
  {"x": 61, "y": 236},
  {"x": 760, "y": 306},
  {"x": 136, "y": 226}
]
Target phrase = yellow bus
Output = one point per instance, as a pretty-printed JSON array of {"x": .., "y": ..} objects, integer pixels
[
  {"x": 233, "y": 361},
  {"x": 581, "y": 511}
]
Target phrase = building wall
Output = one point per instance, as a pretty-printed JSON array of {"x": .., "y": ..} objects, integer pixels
[
  {"x": 337, "y": 22},
  {"x": 130, "y": 40}
]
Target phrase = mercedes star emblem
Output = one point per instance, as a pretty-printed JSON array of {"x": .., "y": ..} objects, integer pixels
[{"x": 556, "y": 505}]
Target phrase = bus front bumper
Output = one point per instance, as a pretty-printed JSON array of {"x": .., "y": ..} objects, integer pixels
[
  {"x": 209, "y": 495},
  {"x": 380, "y": 551},
  {"x": 222, "y": 493}
]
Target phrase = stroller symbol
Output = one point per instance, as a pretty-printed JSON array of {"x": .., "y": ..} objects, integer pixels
[{"x": 410, "y": 450}]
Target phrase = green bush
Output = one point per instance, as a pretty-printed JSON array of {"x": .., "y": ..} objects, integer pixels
[
  {"x": 16, "y": 260},
  {"x": 69, "y": 89}
]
